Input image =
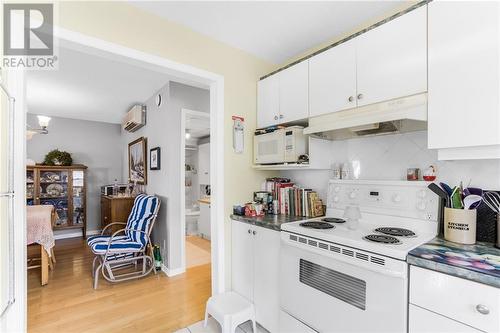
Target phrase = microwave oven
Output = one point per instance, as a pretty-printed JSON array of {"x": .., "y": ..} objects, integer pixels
[{"x": 283, "y": 145}]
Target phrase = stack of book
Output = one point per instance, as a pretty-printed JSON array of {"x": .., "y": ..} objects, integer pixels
[{"x": 294, "y": 200}]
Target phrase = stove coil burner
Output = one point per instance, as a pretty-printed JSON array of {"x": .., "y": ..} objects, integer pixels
[
  {"x": 384, "y": 239},
  {"x": 332, "y": 220},
  {"x": 316, "y": 225},
  {"x": 393, "y": 231}
]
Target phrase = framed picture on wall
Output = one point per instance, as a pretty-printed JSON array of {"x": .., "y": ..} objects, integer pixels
[
  {"x": 137, "y": 161},
  {"x": 155, "y": 158}
]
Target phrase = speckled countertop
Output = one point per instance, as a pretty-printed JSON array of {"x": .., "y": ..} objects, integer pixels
[
  {"x": 479, "y": 262},
  {"x": 273, "y": 222}
]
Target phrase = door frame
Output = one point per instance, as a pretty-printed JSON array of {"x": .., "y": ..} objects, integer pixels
[
  {"x": 182, "y": 207},
  {"x": 184, "y": 74}
]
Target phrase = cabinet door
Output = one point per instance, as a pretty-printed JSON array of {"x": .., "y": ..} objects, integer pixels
[
  {"x": 392, "y": 59},
  {"x": 266, "y": 277},
  {"x": 204, "y": 164},
  {"x": 242, "y": 259},
  {"x": 268, "y": 103},
  {"x": 464, "y": 87},
  {"x": 423, "y": 321},
  {"x": 332, "y": 80},
  {"x": 204, "y": 221},
  {"x": 294, "y": 93}
]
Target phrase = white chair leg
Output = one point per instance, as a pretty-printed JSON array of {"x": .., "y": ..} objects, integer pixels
[
  {"x": 254, "y": 326},
  {"x": 205, "y": 323}
]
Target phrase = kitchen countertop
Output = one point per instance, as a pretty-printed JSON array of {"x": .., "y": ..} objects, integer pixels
[
  {"x": 273, "y": 222},
  {"x": 479, "y": 262},
  {"x": 205, "y": 200}
]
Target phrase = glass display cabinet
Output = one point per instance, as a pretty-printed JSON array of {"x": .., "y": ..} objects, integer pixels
[{"x": 63, "y": 187}]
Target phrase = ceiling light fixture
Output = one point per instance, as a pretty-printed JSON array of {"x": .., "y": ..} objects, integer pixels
[
  {"x": 188, "y": 135},
  {"x": 43, "y": 122}
]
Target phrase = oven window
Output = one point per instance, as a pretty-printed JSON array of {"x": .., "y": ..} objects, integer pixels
[{"x": 342, "y": 286}]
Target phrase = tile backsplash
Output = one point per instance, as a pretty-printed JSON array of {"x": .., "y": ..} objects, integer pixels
[{"x": 387, "y": 158}]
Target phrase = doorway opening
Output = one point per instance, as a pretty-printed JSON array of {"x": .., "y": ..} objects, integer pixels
[{"x": 196, "y": 192}]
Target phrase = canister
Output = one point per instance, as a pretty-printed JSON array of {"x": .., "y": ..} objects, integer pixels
[{"x": 460, "y": 225}]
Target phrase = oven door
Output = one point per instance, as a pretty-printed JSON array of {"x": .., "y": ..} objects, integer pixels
[{"x": 334, "y": 295}]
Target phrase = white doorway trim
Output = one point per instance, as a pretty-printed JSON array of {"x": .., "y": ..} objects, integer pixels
[
  {"x": 183, "y": 73},
  {"x": 184, "y": 114}
]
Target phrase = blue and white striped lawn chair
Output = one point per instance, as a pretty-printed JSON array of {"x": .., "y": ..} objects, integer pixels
[{"x": 128, "y": 246}]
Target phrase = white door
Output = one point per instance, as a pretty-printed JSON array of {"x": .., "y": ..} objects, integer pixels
[
  {"x": 266, "y": 277},
  {"x": 464, "y": 70},
  {"x": 392, "y": 59},
  {"x": 332, "y": 80},
  {"x": 7, "y": 244},
  {"x": 424, "y": 321},
  {"x": 242, "y": 246},
  {"x": 268, "y": 103},
  {"x": 294, "y": 93},
  {"x": 204, "y": 164}
]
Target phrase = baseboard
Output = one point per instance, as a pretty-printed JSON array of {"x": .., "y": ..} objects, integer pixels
[
  {"x": 172, "y": 272},
  {"x": 76, "y": 234}
]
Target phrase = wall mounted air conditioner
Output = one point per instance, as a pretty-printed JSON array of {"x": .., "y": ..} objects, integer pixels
[{"x": 135, "y": 118}]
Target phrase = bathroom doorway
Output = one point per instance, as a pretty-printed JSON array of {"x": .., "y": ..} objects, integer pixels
[{"x": 196, "y": 193}]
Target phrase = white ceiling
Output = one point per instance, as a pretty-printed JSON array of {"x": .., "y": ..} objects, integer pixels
[
  {"x": 90, "y": 87},
  {"x": 198, "y": 127},
  {"x": 271, "y": 30}
]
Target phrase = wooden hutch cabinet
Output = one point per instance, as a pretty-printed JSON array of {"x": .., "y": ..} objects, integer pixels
[
  {"x": 115, "y": 209},
  {"x": 63, "y": 187}
]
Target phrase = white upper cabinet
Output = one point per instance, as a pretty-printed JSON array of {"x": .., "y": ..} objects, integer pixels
[
  {"x": 284, "y": 97},
  {"x": 464, "y": 89},
  {"x": 392, "y": 59},
  {"x": 332, "y": 80},
  {"x": 268, "y": 103},
  {"x": 294, "y": 93}
]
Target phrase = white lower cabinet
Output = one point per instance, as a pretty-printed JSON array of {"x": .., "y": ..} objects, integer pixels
[
  {"x": 204, "y": 221},
  {"x": 425, "y": 321},
  {"x": 255, "y": 268},
  {"x": 444, "y": 303}
]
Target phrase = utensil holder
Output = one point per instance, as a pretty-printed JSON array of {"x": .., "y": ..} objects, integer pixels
[{"x": 460, "y": 225}]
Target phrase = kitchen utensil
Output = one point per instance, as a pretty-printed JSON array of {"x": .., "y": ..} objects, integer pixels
[
  {"x": 473, "y": 190},
  {"x": 456, "y": 198},
  {"x": 497, "y": 244},
  {"x": 492, "y": 200},
  {"x": 447, "y": 188},
  {"x": 472, "y": 201},
  {"x": 440, "y": 192}
]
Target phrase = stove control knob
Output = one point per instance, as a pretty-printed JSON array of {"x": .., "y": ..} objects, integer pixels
[
  {"x": 422, "y": 194},
  {"x": 336, "y": 189},
  {"x": 396, "y": 198},
  {"x": 352, "y": 195},
  {"x": 421, "y": 205}
]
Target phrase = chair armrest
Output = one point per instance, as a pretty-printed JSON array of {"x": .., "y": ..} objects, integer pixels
[
  {"x": 123, "y": 230},
  {"x": 106, "y": 227}
]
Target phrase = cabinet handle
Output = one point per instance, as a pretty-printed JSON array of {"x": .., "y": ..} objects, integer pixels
[
  {"x": 482, "y": 309},
  {"x": 350, "y": 99},
  {"x": 281, "y": 116},
  {"x": 254, "y": 232},
  {"x": 360, "y": 96},
  {"x": 275, "y": 117}
]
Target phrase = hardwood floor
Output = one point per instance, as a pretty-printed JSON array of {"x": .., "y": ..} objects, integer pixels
[
  {"x": 197, "y": 251},
  {"x": 156, "y": 303}
]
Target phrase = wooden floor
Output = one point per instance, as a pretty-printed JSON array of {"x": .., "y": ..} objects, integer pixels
[
  {"x": 156, "y": 303},
  {"x": 197, "y": 251}
]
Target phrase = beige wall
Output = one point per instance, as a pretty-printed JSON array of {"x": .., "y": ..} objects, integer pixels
[{"x": 124, "y": 24}]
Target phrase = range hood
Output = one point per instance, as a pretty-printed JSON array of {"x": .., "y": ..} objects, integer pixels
[{"x": 400, "y": 115}]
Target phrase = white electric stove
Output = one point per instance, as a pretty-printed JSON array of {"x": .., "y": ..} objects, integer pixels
[{"x": 339, "y": 279}]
